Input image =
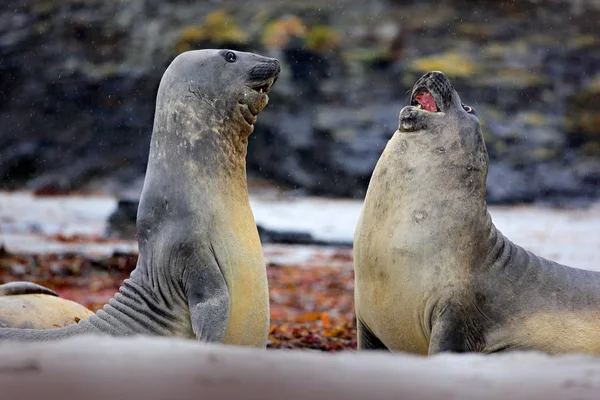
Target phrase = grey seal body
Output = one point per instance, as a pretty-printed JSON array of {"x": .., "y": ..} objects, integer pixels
[
  {"x": 200, "y": 272},
  {"x": 29, "y": 305},
  {"x": 432, "y": 272}
]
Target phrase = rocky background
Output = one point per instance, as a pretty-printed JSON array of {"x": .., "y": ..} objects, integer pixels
[{"x": 78, "y": 80}]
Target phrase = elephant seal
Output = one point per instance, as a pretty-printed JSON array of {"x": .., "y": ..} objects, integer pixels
[
  {"x": 433, "y": 273},
  {"x": 200, "y": 272},
  {"x": 29, "y": 305}
]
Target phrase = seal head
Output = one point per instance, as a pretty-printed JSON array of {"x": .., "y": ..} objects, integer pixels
[
  {"x": 200, "y": 75},
  {"x": 438, "y": 121},
  {"x": 436, "y": 109}
]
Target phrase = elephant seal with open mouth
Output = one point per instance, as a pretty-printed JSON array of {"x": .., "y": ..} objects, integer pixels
[
  {"x": 433, "y": 274},
  {"x": 200, "y": 272}
]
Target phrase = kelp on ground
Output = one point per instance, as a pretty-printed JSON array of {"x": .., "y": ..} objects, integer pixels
[{"x": 311, "y": 307}]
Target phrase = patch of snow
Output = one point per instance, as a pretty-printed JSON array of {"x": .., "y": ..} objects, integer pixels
[
  {"x": 34, "y": 243},
  {"x": 307, "y": 256},
  {"x": 22, "y": 212},
  {"x": 326, "y": 219}
]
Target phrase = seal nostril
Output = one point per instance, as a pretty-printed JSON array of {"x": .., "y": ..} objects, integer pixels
[
  {"x": 264, "y": 71},
  {"x": 278, "y": 66}
]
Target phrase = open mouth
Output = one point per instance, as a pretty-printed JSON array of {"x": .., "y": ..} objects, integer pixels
[
  {"x": 423, "y": 100},
  {"x": 265, "y": 86}
]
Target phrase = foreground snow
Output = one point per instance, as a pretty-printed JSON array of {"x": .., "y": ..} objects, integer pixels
[
  {"x": 30, "y": 224},
  {"x": 160, "y": 368}
]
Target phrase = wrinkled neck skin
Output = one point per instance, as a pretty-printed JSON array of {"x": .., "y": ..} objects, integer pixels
[
  {"x": 200, "y": 144},
  {"x": 432, "y": 205},
  {"x": 199, "y": 134}
]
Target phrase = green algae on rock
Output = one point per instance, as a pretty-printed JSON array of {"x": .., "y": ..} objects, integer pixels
[{"x": 219, "y": 29}]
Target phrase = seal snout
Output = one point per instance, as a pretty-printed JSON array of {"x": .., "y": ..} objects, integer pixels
[
  {"x": 410, "y": 120},
  {"x": 260, "y": 78},
  {"x": 432, "y": 92},
  {"x": 263, "y": 75}
]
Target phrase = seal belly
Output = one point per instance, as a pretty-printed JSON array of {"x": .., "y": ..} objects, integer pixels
[
  {"x": 248, "y": 323},
  {"x": 557, "y": 332},
  {"x": 385, "y": 286},
  {"x": 40, "y": 311},
  {"x": 246, "y": 278},
  {"x": 397, "y": 329}
]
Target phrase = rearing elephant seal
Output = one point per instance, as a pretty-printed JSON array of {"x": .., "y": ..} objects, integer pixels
[
  {"x": 200, "y": 272},
  {"x": 433, "y": 274}
]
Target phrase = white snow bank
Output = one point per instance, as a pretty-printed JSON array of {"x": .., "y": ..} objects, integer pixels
[{"x": 22, "y": 212}]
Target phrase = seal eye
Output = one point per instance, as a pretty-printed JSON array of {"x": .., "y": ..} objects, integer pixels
[
  {"x": 230, "y": 57},
  {"x": 467, "y": 108}
]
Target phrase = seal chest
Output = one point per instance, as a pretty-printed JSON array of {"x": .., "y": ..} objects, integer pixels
[{"x": 248, "y": 322}]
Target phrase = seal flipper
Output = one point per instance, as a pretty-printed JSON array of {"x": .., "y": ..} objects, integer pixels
[
  {"x": 454, "y": 331},
  {"x": 209, "y": 303},
  {"x": 367, "y": 339},
  {"x": 23, "y": 287}
]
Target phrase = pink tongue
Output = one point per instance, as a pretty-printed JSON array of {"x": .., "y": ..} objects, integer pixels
[{"x": 425, "y": 100}]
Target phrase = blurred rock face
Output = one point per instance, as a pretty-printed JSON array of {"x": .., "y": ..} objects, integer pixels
[{"x": 78, "y": 82}]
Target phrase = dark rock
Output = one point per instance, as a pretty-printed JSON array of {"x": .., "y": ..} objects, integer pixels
[
  {"x": 508, "y": 185},
  {"x": 582, "y": 122},
  {"x": 329, "y": 150},
  {"x": 589, "y": 172},
  {"x": 78, "y": 82},
  {"x": 291, "y": 237},
  {"x": 122, "y": 222}
]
